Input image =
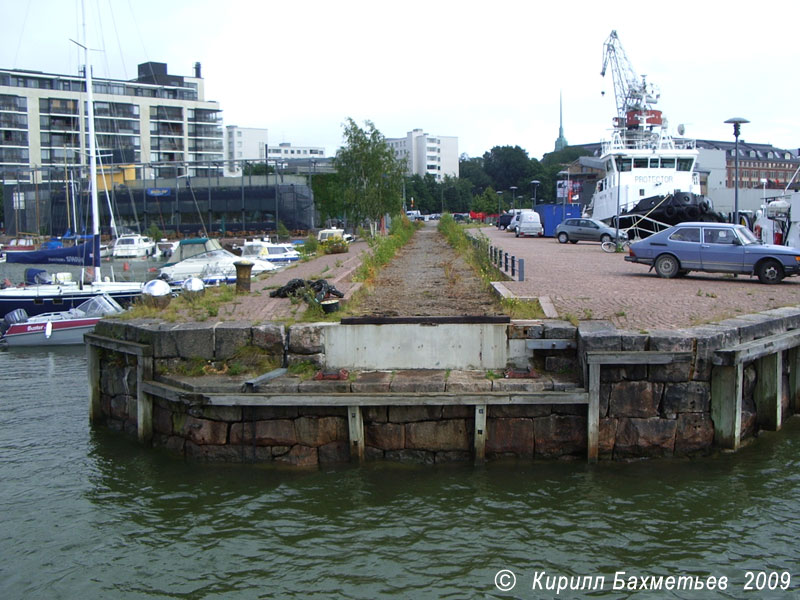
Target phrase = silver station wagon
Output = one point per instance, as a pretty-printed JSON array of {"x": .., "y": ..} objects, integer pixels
[{"x": 714, "y": 248}]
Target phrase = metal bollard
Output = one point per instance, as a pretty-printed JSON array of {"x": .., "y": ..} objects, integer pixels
[
  {"x": 243, "y": 270},
  {"x": 521, "y": 270},
  {"x": 513, "y": 266},
  {"x": 506, "y": 263}
]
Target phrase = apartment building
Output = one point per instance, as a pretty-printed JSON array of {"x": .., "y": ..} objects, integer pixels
[
  {"x": 157, "y": 119},
  {"x": 247, "y": 144},
  {"x": 427, "y": 154}
]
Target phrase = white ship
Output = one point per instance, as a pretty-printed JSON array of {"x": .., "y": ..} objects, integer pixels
[{"x": 647, "y": 171}]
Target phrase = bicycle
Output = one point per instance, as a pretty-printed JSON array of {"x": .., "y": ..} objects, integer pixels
[{"x": 611, "y": 247}]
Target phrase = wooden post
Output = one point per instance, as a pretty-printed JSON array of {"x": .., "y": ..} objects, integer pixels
[
  {"x": 794, "y": 379},
  {"x": 769, "y": 390},
  {"x": 726, "y": 404},
  {"x": 593, "y": 413},
  {"x": 480, "y": 433},
  {"x": 144, "y": 401},
  {"x": 93, "y": 373},
  {"x": 356, "y": 427}
]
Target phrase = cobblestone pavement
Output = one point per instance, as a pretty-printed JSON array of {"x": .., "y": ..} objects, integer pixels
[{"x": 583, "y": 281}]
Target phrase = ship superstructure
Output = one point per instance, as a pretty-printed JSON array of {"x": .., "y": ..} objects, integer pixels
[{"x": 647, "y": 171}]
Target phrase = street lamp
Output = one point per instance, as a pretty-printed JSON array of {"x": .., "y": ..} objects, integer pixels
[
  {"x": 565, "y": 175},
  {"x": 513, "y": 189},
  {"x": 736, "y": 121},
  {"x": 535, "y": 183}
]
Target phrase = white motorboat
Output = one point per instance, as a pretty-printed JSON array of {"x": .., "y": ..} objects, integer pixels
[
  {"x": 279, "y": 254},
  {"x": 133, "y": 246},
  {"x": 206, "y": 259},
  {"x": 56, "y": 328}
]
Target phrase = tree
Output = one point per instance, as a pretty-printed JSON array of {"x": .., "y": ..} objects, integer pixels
[
  {"x": 327, "y": 196},
  {"x": 257, "y": 168},
  {"x": 370, "y": 175},
  {"x": 471, "y": 169},
  {"x": 486, "y": 202},
  {"x": 507, "y": 166}
]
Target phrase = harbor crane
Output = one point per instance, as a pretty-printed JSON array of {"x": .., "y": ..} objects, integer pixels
[{"x": 634, "y": 96}]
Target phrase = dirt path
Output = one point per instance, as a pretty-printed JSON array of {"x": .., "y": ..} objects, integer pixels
[{"x": 428, "y": 278}]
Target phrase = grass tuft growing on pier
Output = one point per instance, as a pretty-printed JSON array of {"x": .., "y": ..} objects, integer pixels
[{"x": 476, "y": 252}]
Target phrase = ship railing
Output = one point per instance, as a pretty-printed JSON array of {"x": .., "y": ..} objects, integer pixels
[{"x": 642, "y": 226}]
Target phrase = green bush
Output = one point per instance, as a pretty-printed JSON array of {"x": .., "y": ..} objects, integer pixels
[
  {"x": 283, "y": 233},
  {"x": 311, "y": 244},
  {"x": 335, "y": 245}
]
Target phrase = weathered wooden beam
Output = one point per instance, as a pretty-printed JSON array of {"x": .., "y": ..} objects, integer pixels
[
  {"x": 769, "y": 391},
  {"x": 755, "y": 349},
  {"x": 115, "y": 345},
  {"x": 144, "y": 401},
  {"x": 726, "y": 405},
  {"x": 429, "y": 320},
  {"x": 480, "y": 433},
  {"x": 175, "y": 394},
  {"x": 251, "y": 384},
  {"x": 381, "y": 399},
  {"x": 545, "y": 344},
  {"x": 93, "y": 374},
  {"x": 593, "y": 413},
  {"x": 794, "y": 379},
  {"x": 355, "y": 423},
  {"x": 637, "y": 358}
]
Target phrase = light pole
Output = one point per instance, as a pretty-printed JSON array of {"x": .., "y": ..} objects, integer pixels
[
  {"x": 737, "y": 122},
  {"x": 763, "y": 189},
  {"x": 513, "y": 189},
  {"x": 499, "y": 197},
  {"x": 535, "y": 183},
  {"x": 565, "y": 191}
]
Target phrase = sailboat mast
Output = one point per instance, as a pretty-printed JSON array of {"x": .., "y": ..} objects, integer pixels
[{"x": 92, "y": 152}]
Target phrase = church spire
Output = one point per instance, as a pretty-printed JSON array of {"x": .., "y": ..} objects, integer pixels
[{"x": 561, "y": 142}]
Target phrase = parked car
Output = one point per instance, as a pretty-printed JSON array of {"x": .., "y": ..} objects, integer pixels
[
  {"x": 503, "y": 221},
  {"x": 714, "y": 248},
  {"x": 529, "y": 223},
  {"x": 586, "y": 230}
]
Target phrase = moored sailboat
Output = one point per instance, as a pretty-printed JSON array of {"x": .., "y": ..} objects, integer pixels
[{"x": 43, "y": 297}]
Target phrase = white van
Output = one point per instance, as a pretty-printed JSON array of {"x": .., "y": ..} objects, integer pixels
[
  {"x": 529, "y": 223},
  {"x": 512, "y": 225},
  {"x": 329, "y": 234}
]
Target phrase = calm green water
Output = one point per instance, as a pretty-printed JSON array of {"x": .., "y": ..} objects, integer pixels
[{"x": 89, "y": 514}]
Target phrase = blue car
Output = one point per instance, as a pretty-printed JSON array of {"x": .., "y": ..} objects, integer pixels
[{"x": 714, "y": 248}]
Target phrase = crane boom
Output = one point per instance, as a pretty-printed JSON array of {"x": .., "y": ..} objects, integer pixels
[{"x": 634, "y": 97}]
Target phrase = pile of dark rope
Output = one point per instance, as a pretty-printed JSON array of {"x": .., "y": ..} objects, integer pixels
[{"x": 318, "y": 290}]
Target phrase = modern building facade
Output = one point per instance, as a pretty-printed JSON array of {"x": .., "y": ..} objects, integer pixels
[
  {"x": 157, "y": 119},
  {"x": 243, "y": 143},
  {"x": 426, "y": 154}
]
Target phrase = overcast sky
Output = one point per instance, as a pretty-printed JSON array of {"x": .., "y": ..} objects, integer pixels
[{"x": 489, "y": 73}]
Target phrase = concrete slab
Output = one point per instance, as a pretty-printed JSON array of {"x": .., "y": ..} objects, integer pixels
[
  {"x": 418, "y": 380},
  {"x": 522, "y": 385},
  {"x": 368, "y": 382},
  {"x": 468, "y": 381}
]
